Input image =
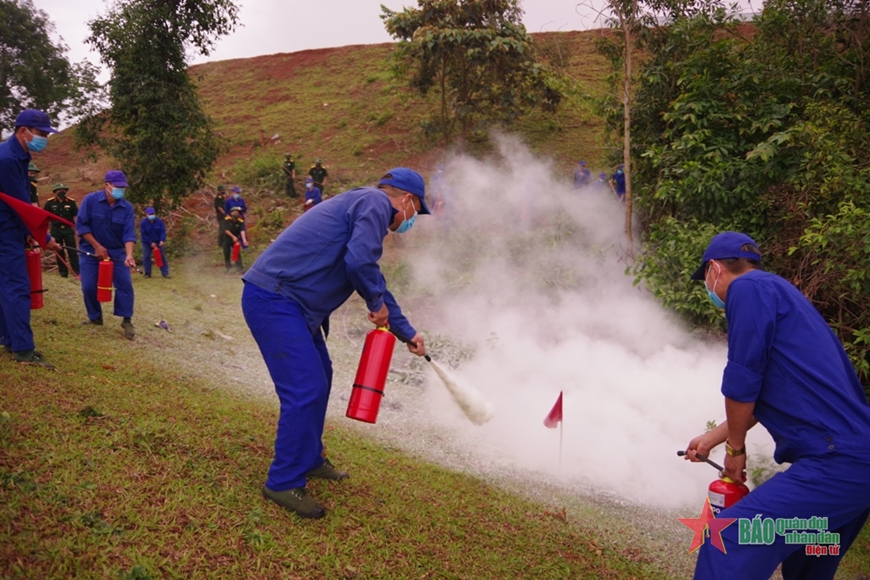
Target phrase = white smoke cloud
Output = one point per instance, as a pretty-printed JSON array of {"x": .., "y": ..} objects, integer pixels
[{"x": 531, "y": 274}]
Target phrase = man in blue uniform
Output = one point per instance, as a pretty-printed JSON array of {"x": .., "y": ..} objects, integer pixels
[
  {"x": 312, "y": 195},
  {"x": 106, "y": 228},
  {"x": 153, "y": 233},
  {"x": 617, "y": 182},
  {"x": 236, "y": 200},
  {"x": 582, "y": 175},
  {"x": 32, "y": 128},
  {"x": 788, "y": 371},
  {"x": 290, "y": 291}
]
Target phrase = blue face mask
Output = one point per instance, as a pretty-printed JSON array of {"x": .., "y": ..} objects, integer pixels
[
  {"x": 407, "y": 223},
  {"x": 38, "y": 143},
  {"x": 117, "y": 192},
  {"x": 236, "y": 196},
  {"x": 152, "y": 217},
  {"x": 309, "y": 185},
  {"x": 717, "y": 302}
]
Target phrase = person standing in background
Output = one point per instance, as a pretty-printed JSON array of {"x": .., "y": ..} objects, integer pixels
[
  {"x": 319, "y": 175},
  {"x": 153, "y": 233},
  {"x": 65, "y": 207},
  {"x": 289, "y": 169}
]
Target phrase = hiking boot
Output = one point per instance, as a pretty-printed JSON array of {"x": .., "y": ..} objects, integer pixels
[
  {"x": 32, "y": 357},
  {"x": 147, "y": 275},
  {"x": 97, "y": 321},
  {"x": 128, "y": 330},
  {"x": 297, "y": 500},
  {"x": 327, "y": 471}
]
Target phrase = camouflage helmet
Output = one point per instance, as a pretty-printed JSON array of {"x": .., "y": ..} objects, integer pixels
[
  {"x": 32, "y": 167},
  {"x": 220, "y": 187},
  {"x": 59, "y": 187}
]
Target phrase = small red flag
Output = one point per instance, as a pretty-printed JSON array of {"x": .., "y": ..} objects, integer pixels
[
  {"x": 555, "y": 415},
  {"x": 34, "y": 218}
]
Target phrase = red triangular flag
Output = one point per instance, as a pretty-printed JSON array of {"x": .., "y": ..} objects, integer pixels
[
  {"x": 555, "y": 414},
  {"x": 36, "y": 219}
]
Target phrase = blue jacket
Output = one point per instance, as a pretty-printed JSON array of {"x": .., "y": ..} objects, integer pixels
[
  {"x": 328, "y": 253},
  {"x": 14, "y": 180},
  {"x": 112, "y": 226},
  {"x": 784, "y": 357},
  {"x": 152, "y": 232},
  {"x": 314, "y": 195},
  {"x": 232, "y": 202}
]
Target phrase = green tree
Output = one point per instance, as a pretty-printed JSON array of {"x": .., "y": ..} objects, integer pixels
[
  {"x": 155, "y": 127},
  {"x": 477, "y": 55},
  {"x": 34, "y": 71}
]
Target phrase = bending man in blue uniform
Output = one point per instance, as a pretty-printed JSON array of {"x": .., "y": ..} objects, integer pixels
[
  {"x": 309, "y": 271},
  {"x": 788, "y": 371},
  {"x": 153, "y": 233},
  {"x": 106, "y": 228},
  {"x": 32, "y": 128}
]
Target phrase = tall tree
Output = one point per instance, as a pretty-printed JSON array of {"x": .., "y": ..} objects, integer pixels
[
  {"x": 34, "y": 70},
  {"x": 155, "y": 127},
  {"x": 477, "y": 55}
]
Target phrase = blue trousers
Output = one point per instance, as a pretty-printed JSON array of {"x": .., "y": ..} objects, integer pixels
[
  {"x": 15, "y": 331},
  {"x": 836, "y": 487},
  {"x": 146, "y": 260},
  {"x": 301, "y": 369},
  {"x": 122, "y": 281}
]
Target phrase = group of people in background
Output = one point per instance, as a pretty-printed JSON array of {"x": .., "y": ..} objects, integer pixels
[
  {"x": 315, "y": 181},
  {"x": 615, "y": 183}
]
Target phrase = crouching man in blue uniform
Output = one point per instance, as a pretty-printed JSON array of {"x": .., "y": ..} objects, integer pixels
[
  {"x": 788, "y": 371},
  {"x": 310, "y": 270},
  {"x": 106, "y": 229}
]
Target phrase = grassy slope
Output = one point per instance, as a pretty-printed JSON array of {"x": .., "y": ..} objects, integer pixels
[
  {"x": 168, "y": 479},
  {"x": 167, "y": 476}
]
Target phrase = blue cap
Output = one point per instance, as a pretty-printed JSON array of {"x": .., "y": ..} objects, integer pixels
[
  {"x": 116, "y": 178},
  {"x": 581, "y": 162},
  {"x": 407, "y": 180},
  {"x": 36, "y": 119},
  {"x": 309, "y": 179},
  {"x": 236, "y": 189},
  {"x": 149, "y": 210},
  {"x": 726, "y": 245}
]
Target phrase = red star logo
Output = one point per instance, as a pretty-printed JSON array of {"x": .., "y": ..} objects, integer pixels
[
  {"x": 704, "y": 523},
  {"x": 699, "y": 525}
]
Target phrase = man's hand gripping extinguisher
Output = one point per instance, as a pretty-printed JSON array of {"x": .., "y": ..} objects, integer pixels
[{"x": 723, "y": 492}]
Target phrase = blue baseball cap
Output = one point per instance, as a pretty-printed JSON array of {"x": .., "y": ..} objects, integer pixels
[
  {"x": 36, "y": 119},
  {"x": 149, "y": 210},
  {"x": 581, "y": 162},
  {"x": 236, "y": 189},
  {"x": 723, "y": 246},
  {"x": 116, "y": 178},
  {"x": 407, "y": 180}
]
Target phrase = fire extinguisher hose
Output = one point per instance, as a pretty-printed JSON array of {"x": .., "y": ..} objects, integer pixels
[{"x": 703, "y": 458}]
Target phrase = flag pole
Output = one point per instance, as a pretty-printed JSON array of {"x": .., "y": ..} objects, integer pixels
[{"x": 561, "y": 431}]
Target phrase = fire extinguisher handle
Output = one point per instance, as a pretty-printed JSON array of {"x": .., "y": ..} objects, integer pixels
[{"x": 680, "y": 453}]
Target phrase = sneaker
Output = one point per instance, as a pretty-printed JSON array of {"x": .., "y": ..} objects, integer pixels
[
  {"x": 167, "y": 276},
  {"x": 147, "y": 275},
  {"x": 327, "y": 471},
  {"x": 32, "y": 357},
  {"x": 97, "y": 321},
  {"x": 128, "y": 330},
  {"x": 297, "y": 500}
]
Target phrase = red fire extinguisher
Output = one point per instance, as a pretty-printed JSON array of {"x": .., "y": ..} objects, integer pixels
[
  {"x": 371, "y": 376},
  {"x": 104, "y": 280},
  {"x": 34, "y": 270},
  {"x": 723, "y": 492},
  {"x": 237, "y": 248},
  {"x": 158, "y": 258}
]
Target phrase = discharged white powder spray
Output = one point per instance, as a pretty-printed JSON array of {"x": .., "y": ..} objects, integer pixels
[{"x": 529, "y": 275}]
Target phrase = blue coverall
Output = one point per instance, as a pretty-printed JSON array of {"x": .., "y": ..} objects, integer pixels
[
  {"x": 783, "y": 356},
  {"x": 112, "y": 226},
  {"x": 232, "y": 202},
  {"x": 15, "y": 330},
  {"x": 619, "y": 184},
  {"x": 312, "y": 195},
  {"x": 309, "y": 271},
  {"x": 153, "y": 232}
]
